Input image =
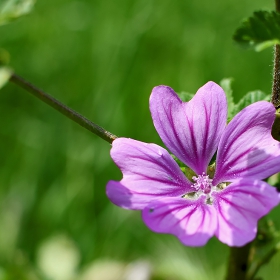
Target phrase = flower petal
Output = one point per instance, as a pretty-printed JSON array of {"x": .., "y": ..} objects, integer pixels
[
  {"x": 149, "y": 172},
  {"x": 239, "y": 207},
  {"x": 190, "y": 130},
  {"x": 247, "y": 148},
  {"x": 126, "y": 198},
  {"x": 192, "y": 221}
]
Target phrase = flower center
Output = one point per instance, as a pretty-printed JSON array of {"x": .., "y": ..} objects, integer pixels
[{"x": 202, "y": 183}]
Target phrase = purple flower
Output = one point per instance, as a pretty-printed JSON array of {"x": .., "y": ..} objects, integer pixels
[{"x": 227, "y": 205}]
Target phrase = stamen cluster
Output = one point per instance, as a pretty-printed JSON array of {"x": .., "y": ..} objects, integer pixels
[{"x": 202, "y": 183}]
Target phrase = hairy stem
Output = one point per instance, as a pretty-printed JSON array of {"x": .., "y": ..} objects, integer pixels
[
  {"x": 66, "y": 111},
  {"x": 238, "y": 262},
  {"x": 275, "y": 96}
]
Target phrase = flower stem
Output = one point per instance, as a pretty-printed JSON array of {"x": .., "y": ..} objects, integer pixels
[
  {"x": 238, "y": 262},
  {"x": 66, "y": 111},
  {"x": 275, "y": 96}
]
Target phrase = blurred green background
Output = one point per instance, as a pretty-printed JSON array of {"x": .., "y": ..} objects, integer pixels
[{"x": 102, "y": 58}]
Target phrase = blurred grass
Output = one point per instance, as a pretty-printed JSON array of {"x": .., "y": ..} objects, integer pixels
[{"x": 102, "y": 58}]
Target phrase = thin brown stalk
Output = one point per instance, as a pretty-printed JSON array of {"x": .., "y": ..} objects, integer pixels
[{"x": 63, "y": 109}]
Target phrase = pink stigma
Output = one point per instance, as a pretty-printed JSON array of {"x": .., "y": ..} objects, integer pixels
[{"x": 202, "y": 183}]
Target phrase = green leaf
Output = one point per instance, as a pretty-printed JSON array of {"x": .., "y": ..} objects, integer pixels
[
  {"x": 249, "y": 98},
  {"x": 13, "y": 9},
  {"x": 226, "y": 85},
  {"x": 185, "y": 96},
  {"x": 260, "y": 31},
  {"x": 5, "y": 74}
]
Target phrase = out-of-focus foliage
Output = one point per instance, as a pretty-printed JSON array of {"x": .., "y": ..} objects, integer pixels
[
  {"x": 13, "y": 9},
  {"x": 5, "y": 74},
  {"x": 4, "y": 57},
  {"x": 102, "y": 58},
  {"x": 260, "y": 31}
]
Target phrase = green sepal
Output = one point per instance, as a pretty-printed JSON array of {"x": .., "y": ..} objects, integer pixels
[
  {"x": 211, "y": 170},
  {"x": 180, "y": 163},
  {"x": 189, "y": 173}
]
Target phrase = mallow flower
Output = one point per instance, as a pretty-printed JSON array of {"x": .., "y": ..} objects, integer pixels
[{"x": 226, "y": 203}]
